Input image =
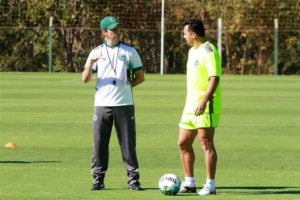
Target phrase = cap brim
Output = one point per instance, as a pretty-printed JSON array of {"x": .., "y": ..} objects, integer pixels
[{"x": 112, "y": 26}]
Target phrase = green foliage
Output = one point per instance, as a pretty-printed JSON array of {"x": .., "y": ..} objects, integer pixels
[
  {"x": 247, "y": 41},
  {"x": 292, "y": 51},
  {"x": 248, "y": 32},
  {"x": 28, "y": 44}
]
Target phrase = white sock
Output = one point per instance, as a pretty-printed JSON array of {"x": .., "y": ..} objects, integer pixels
[
  {"x": 210, "y": 183},
  {"x": 189, "y": 181}
]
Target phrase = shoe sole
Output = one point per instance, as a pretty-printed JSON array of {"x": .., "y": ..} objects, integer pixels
[
  {"x": 98, "y": 188},
  {"x": 95, "y": 189},
  {"x": 189, "y": 190},
  {"x": 211, "y": 193},
  {"x": 136, "y": 189}
]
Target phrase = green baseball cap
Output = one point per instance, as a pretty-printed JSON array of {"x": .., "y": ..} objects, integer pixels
[{"x": 108, "y": 23}]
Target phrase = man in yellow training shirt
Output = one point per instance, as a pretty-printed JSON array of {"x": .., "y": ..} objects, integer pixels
[{"x": 202, "y": 108}]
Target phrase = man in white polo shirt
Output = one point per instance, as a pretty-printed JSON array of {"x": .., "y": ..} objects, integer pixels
[{"x": 119, "y": 68}]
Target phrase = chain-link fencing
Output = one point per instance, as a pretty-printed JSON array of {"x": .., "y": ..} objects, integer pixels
[{"x": 248, "y": 34}]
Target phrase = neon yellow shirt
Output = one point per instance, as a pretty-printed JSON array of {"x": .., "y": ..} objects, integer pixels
[{"x": 203, "y": 62}]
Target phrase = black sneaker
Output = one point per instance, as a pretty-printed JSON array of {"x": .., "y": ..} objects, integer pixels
[
  {"x": 135, "y": 187},
  {"x": 185, "y": 189},
  {"x": 188, "y": 190},
  {"x": 98, "y": 186}
]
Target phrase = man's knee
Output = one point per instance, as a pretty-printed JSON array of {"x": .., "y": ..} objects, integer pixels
[
  {"x": 180, "y": 144},
  {"x": 206, "y": 144},
  {"x": 183, "y": 144},
  {"x": 186, "y": 139}
]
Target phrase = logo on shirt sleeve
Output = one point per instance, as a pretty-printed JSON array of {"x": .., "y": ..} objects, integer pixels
[{"x": 208, "y": 48}]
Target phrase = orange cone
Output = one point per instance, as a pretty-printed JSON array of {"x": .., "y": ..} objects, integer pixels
[{"x": 10, "y": 145}]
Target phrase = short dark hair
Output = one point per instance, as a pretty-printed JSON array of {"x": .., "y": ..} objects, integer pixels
[{"x": 196, "y": 26}]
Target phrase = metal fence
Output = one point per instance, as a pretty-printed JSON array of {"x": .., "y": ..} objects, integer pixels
[
  {"x": 32, "y": 49},
  {"x": 248, "y": 44},
  {"x": 29, "y": 49}
]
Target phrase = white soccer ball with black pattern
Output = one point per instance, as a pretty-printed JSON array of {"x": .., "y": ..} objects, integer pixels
[{"x": 169, "y": 184}]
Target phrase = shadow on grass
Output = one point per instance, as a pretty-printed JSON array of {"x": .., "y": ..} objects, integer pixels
[
  {"x": 247, "y": 190},
  {"x": 125, "y": 188},
  {"x": 260, "y": 190},
  {"x": 27, "y": 162},
  {"x": 145, "y": 189}
]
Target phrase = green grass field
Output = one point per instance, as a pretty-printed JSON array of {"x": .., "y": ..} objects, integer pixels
[{"x": 49, "y": 117}]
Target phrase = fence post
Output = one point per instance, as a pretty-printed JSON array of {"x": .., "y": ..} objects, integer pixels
[
  {"x": 162, "y": 37},
  {"x": 220, "y": 38},
  {"x": 50, "y": 44},
  {"x": 276, "y": 46}
]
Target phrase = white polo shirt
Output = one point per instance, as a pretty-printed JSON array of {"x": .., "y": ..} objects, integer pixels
[{"x": 113, "y": 87}]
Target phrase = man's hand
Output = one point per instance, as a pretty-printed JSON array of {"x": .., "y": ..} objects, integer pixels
[
  {"x": 201, "y": 107},
  {"x": 87, "y": 72},
  {"x": 212, "y": 85}
]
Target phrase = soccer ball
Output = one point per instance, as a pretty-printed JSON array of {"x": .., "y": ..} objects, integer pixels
[{"x": 169, "y": 184}]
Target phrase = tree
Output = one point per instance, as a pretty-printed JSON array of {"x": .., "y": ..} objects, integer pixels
[{"x": 248, "y": 37}]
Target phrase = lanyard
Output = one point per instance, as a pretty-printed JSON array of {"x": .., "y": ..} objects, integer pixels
[{"x": 114, "y": 67}]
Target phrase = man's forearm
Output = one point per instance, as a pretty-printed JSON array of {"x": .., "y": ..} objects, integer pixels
[
  {"x": 212, "y": 85},
  {"x": 139, "y": 78},
  {"x": 86, "y": 74}
]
